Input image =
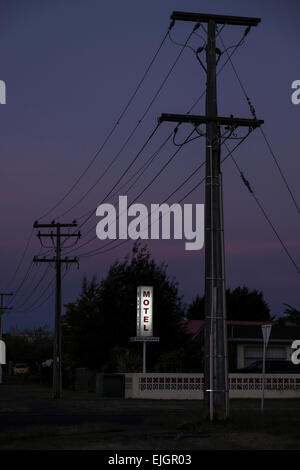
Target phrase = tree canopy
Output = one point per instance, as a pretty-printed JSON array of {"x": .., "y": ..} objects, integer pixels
[
  {"x": 291, "y": 314},
  {"x": 242, "y": 304},
  {"x": 30, "y": 346}
]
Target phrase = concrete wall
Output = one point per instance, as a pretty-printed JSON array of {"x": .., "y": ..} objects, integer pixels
[{"x": 190, "y": 386}]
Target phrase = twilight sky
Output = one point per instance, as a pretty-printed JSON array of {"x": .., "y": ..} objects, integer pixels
[{"x": 70, "y": 67}]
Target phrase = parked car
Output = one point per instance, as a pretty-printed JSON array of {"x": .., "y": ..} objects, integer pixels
[
  {"x": 21, "y": 369},
  {"x": 272, "y": 367}
]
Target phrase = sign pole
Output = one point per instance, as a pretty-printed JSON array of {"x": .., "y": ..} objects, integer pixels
[
  {"x": 266, "y": 331},
  {"x": 144, "y": 320},
  {"x": 263, "y": 379},
  {"x": 144, "y": 357}
]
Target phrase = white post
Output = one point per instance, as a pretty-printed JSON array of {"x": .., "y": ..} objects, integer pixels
[
  {"x": 144, "y": 357},
  {"x": 211, "y": 379},
  {"x": 266, "y": 331}
]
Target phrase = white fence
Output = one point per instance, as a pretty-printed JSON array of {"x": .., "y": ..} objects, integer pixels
[{"x": 190, "y": 386}]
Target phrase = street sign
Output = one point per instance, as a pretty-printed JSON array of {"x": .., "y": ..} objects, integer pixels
[
  {"x": 144, "y": 311},
  {"x": 266, "y": 331}
]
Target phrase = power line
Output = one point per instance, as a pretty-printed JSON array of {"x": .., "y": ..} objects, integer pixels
[
  {"x": 218, "y": 72},
  {"x": 30, "y": 267},
  {"x": 125, "y": 171},
  {"x": 90, "y": 213},
  {"x": 280, "y": 170},
  {"x": 46, "y": 272},
  {"x": 183, "y": 47},
  {"x": 222, "y": 161},
  {"x": 147, "y": 186},
  {"x": 137, "y": 174},
  {"x": 248, "y": 186},
  {"x": 107, "y": 139},
  {"x": 100, "y": 250},
  {"x": 139, "y": 122},
  {"x": 11, "y": 280},
  {"x": 98, "y": 151},
  {"x": 179, "y": 145},
  {"x": 33, "y": 306},
  {"x": 180, "y": 186},
  {"x": 114, "y": 127},
  {"x": 252, "y": 110},
  {"x": 122, "y": 114},
  {"x": 103, "y": 250},
  {"x": 28, "y": 274}
]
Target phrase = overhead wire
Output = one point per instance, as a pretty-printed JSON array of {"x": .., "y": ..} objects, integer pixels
[
  {"x": 144, "y": 166},
  {"x": 11, "y": 280},
  {"x": 124, "y": 173},
  {"x": 147, "y": 186},
  {"x": 219, "y": 71},
  {"x": 253, "y": 112},
  {"x": 123, "y": 112},
  {"x": 100, "y": 250},
  {"x": 187, "y": 140},
  {"x": 189, "y": 111},
  {"x": 105, "y": 142},
  {"x": 203, "y": 93},
  {"x": 251, "y": 191},
  {"x": 33, "y": 306},
  {"x": 34, "y": 289},
  {"x": 139, "y": 122},
  {"x": 98, "y": 151}
]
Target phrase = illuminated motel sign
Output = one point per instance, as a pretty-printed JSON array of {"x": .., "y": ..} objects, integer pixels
[
  {"x": 144, "y": 311},
  {"x": 144, "y": 319}
]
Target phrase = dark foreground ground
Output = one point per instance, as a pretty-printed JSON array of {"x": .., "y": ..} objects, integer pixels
[{"x": 31, "y": 419}]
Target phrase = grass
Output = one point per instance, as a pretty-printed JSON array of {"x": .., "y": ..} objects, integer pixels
[{"x": 85, "y": 421}]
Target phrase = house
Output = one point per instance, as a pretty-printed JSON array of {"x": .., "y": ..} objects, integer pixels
[{"x": 245, "y": 341}]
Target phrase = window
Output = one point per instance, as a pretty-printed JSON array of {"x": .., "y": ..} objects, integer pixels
[{"x": 255, "y": 353}]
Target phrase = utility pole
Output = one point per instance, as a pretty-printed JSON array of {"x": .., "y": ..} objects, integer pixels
[
  {"x": 58, "y": 260},
  {"x": 216, "y": 397},
  {"x": 3, "y": 309}
]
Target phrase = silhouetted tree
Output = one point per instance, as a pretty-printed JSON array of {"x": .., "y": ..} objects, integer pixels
[
  {"x": 291, "y": 314},
  {"x": 195, "y": 310},
  {"x": 32, "y": 346},
  {"x": 104, "y": 316},
  {"x": 242, "y": 304}
]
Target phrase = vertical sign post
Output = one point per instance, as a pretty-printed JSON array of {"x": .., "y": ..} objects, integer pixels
[
  {"x": 144, "y": 316},
  {"x": 266, "y": 331},
  {"x": 144, "y": 311}
]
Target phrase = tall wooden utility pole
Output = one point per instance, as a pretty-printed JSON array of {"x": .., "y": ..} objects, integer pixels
[
  {"x": 216, "y": 403},
  {"x": 57, "y": 378}
]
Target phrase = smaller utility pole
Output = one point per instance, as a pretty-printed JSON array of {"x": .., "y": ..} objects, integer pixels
[
  {"x": 58, "y": 260},
  {"x": 3, "y": 309}
]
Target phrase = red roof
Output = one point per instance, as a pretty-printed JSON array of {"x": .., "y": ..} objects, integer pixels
[{"x": 193, "y": 326}]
